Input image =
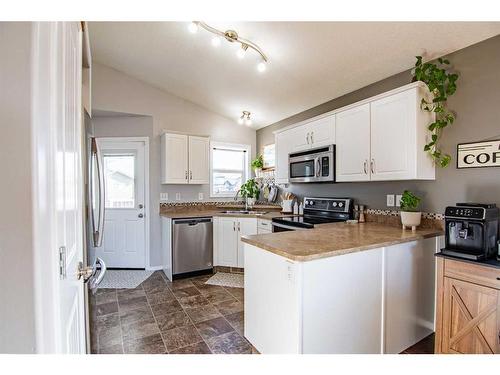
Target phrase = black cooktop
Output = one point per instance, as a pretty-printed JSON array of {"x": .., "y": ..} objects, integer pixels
[{"x": 306, "y": 221}]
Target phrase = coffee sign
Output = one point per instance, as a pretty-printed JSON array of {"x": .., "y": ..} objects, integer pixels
[{"x": 478, "y": 155}]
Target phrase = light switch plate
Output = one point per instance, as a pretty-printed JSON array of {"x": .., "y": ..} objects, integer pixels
[
  {"x": 163, "y": 197},
  {"x": 398, "y": 200},
  {"x": 200, "y": 196},
  {"x": 390, "y": 200},
  {"x": 177, "y": 196}
]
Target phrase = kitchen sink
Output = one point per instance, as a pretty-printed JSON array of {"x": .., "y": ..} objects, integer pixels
[{"x": 244, "y": 212}]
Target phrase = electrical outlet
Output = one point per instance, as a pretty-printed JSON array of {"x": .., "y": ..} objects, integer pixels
[
  {"x": 390, "y": 200},
  {"x": 200, "y": 196},
  {"x": 163, "y": 197},
  {"x": 177, "y": 196},
  {"x": 398, "y": 200}
]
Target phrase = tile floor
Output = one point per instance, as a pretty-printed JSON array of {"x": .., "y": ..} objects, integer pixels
[
  {"x": 184, "y": 316},
  {"x": 159, "y": 316}
]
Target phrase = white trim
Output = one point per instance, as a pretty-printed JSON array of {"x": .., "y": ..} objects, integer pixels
[
  {"x": 356, "y": 104},
  {"x": 147, "y": 205},
  {"x": 230, "y": 146},
  {"x": 154, "y": 268}
]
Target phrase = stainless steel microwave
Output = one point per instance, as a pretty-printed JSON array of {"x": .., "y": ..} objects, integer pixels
[{"x": 316, "y": 165}]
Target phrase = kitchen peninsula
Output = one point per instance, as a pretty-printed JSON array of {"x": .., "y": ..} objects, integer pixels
[{"x": 340, "y": 288}]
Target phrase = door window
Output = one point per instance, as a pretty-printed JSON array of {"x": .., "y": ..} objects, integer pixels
[{"x": 120, "y": 180}]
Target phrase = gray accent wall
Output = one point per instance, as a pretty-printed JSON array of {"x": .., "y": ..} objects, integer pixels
[{"x": 477, "y": 104}]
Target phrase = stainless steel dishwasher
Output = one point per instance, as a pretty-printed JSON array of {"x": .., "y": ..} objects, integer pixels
[{"x": 192, "y": 245}]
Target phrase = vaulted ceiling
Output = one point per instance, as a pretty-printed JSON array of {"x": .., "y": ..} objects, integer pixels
[{"x": 309, "y": 62}]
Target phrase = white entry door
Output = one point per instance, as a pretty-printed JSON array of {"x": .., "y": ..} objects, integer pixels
[{"x": 125, "y": 234}]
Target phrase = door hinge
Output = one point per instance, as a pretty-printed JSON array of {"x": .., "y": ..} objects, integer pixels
[{"x": 62, "y": 262}]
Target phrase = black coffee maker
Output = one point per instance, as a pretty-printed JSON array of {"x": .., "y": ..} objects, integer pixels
[{"x": 471, "y": 231}]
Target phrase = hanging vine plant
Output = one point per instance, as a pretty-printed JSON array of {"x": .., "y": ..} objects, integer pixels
[{"x": 442, "y": 84}]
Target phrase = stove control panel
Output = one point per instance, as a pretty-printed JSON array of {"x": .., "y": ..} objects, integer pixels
[{"x": 328, "y": 204}]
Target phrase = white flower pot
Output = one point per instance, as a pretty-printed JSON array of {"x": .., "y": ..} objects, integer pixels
[
  {"x": 411, "y": 219},
  {"x": 250, "y": 202},
  {"x": 258, "y": 172}
]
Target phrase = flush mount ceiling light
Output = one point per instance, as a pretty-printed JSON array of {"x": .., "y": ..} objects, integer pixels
[
  {"x": 245, "y": 118},
  {"x": 232, "y": 37}
]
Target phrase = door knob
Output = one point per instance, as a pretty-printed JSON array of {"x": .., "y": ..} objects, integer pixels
[
  {"x": 140, "y": 216},
  {"x": 84, "y": 272},
  {"x": 141, "y": 206}
]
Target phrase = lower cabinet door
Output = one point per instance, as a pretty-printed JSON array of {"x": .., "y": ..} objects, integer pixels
[
  {"x": 470, "y": 318},
  {"x": 246, "y": 227},
  {"x": 227, "y": 242}
]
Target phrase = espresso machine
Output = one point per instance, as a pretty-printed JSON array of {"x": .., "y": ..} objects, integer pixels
[{"x": 471, "y": 231}]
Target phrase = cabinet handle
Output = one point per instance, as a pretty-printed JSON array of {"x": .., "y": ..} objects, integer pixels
[
  {"x": 312, "y": 139},
  {"x": 372, "y": 166},
  {"x": 234, "y": 226},
  {"x": 186, "y": 175},
  {"x": 190, "y": 175},
  {"x": 238, "y": 226},
  {"x": 364, "y": 166},
  {"x": 307, "y": 138}
]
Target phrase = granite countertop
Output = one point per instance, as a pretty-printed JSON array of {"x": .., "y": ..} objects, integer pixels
[
  {"x": 327, "y": 240},
  {"x": 188, "y": 212}
]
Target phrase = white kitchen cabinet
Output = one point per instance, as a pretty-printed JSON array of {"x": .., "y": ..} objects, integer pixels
[
  {"x": 352, "y": 133},
  {"x": 283, "y": 146},
  {"x": 375, "y": 301},
  {"x": 314, "y": 134},
  {"x": 184, "y": 159},
  {"x": 398, "y": 136},
  {"x": 199, "y": 160},
  {"x": 228, "y": 248}
]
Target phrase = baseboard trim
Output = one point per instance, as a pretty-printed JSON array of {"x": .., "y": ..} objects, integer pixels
[{"x": 154, "y": 268}]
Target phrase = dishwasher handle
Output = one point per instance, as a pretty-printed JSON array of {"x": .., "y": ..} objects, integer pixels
[{"x": 192, "y": 221}]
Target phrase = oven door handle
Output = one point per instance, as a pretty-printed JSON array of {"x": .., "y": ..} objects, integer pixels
[{"x": 289, "y": 227}]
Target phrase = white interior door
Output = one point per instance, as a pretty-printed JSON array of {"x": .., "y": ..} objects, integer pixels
[
  {"x": 69, "y": 188},
  {"x": 125, "y": 235}
]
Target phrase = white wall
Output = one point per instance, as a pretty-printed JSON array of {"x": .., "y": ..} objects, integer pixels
[
  {"x": 115, "y": 91},
  {"x": 17, "y": 321}
]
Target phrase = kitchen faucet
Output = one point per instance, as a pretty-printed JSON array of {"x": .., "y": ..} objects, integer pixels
[{"x": 236, "y": 198}]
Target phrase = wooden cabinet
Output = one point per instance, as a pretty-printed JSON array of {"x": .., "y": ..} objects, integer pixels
[
  {"x": 184, "y": 159},
  {"x": 228, "y": 247},
  {"x": 353, "y": 144},
  {"x": 468, "y": 308}
]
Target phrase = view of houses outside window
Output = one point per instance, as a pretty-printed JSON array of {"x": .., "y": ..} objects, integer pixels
[
  {"x": 119, "y": 172},
  {"x": 229, "y": 170}
]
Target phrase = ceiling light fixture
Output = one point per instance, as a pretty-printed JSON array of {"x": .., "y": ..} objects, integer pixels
[
  {"x": 245, "y": 118},
  {"x": 232, "y": 37}
]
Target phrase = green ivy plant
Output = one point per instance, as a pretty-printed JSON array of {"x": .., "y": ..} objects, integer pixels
[
  {"x": 250, "y": 189},
  {"x": 442, "y": 84},
  {"x": 258, "y": 162},
  {"x": 409, "y": 201}
]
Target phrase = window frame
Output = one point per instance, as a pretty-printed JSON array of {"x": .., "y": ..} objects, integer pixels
[{"x": 231, "y": 146}]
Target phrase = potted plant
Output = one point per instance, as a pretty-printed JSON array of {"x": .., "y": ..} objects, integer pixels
[
  {"x": 257, "y": 165},
  {"x": 410, "y": 217},
  {"x": 250, "y": 191}
]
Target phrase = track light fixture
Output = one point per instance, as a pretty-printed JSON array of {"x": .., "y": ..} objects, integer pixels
[
  {"x": 232, "y": 37},
  {"x": 245, "y": 118}
]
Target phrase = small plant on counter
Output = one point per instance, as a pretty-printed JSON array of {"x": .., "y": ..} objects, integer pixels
[
  {"x": 250, "y": 189},
  {"x": 258, "y": 162},
  {"x": 410, "y": 217},
  {"x": 409, "y": 201},
  {"x": 442, "y": 84}
]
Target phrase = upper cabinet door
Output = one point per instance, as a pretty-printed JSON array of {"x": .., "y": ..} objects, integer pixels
[
  {"x": 174, "y": 159},
  {"x": 393, "y": 137},
  {"x": 322, "y": 132},
  {"x": 352, "y": 134},
  {"x": 301, "y": 138},
  {"x": 282, "y": 149},
  {"x": 199, "y": 155}
]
